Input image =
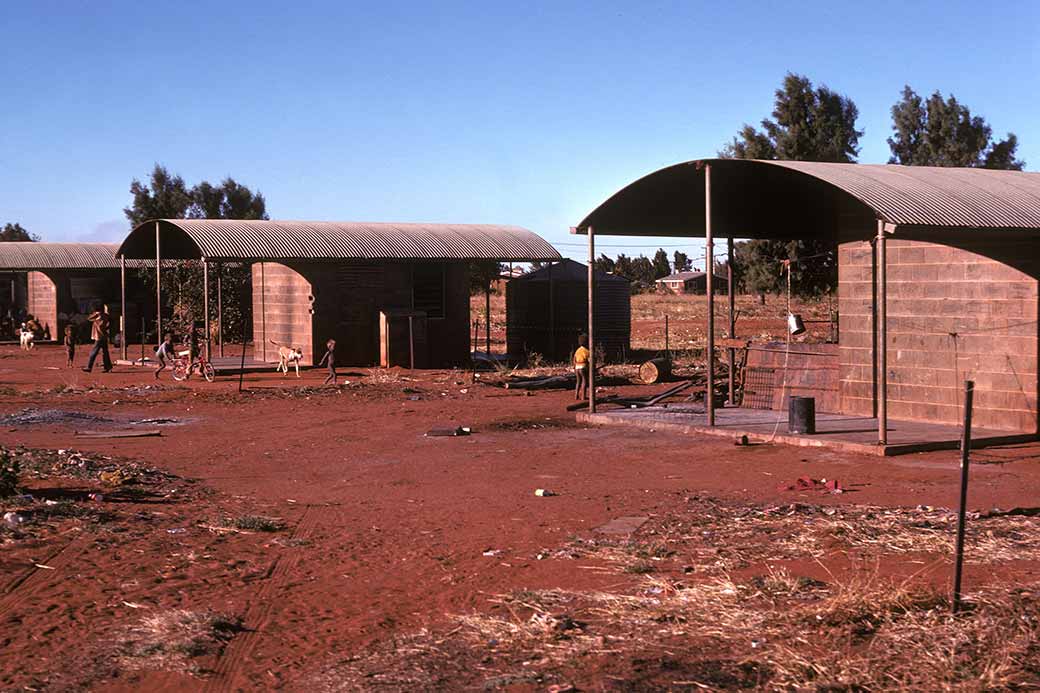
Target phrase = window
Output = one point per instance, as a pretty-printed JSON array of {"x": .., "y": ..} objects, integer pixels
[{"x": 428, "y": 289}]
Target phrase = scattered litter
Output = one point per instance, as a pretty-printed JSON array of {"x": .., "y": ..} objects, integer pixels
[
  {"x": 158, "y": 421},
  {"x": 806, "y": 483},
  {"x": 742, "y": 440},
  {"x": 96, "y": 497},
  {"x": 447, "y": 432},
  {"x": 623, "y": 525},
  {"x": 134, "y": 605},
  {"x": 13, "y": 519},
  {"x": 176, "y": 530},
  {"x": 544, "y": 492},
  {"x": 1023, "y": 512},
  {"x": 119, "y": 434},
  {"x": 43, "y": 567},
  {"x": 492, "y": 552}
]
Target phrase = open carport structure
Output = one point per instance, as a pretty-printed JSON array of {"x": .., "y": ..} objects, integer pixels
[
  {"x": 390, "y": 293},
  {"x": 938, "y": 283}
]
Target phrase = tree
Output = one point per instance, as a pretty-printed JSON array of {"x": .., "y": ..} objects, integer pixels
[
  {"x": 623, "y": 267},
  {"x": 943, "y": 132},
  {"x": 660, "y": 263},
  {"x": 603, "y": 264},
  {"x": 229, "y": 200},
  {"x": 643, "y": 271},
  {"x": 809, "y": 124},
  {"x": 16, "y": 232},
  {"x": 166, "y": 196},
  {"x": 681, "y": 262}
]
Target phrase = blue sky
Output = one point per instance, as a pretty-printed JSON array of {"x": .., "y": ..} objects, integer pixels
[{"x": 521, "y": 113}]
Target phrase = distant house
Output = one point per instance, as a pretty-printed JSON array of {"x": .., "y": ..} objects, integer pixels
[{"x": 690, "y": 283}]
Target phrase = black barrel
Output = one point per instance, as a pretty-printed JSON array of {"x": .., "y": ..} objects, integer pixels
[{"x": 801, "y": 415}]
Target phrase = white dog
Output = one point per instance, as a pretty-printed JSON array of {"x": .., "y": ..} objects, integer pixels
[
  {"x": 26, "y": 338},
  {"x": 286, "y": 356}
]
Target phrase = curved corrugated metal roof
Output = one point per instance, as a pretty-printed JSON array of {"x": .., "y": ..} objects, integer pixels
[
  {"x": 769, "y": 199},
  {"x": 227, "y": 239},
  {"x": 26, "y": 255},
  {"x": 935, "y": 196}
]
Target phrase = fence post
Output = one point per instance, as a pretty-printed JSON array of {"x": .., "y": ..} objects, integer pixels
[{"x": 969, "y": 391}]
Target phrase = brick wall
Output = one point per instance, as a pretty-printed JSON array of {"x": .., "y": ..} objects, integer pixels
[
  {"x": 42, "y": 301},
  {"x": 985, "y": 293}
]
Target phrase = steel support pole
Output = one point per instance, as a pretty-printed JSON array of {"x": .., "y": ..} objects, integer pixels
[
  {"x": 122, "y": 305},
  {"x": 263, "y": 318},
  {"x": 709, "y": 267},
  {"x": 220, "y": 308},
  {"x": 487, "y": 321},
  {"x": 592, "y": 321},
  {"x": 205, "y": 304},
  {"x": 882, "y": 355},
  {"x": 969, "y": 394},
  {"x": 158, "y": 288},
  {"x": 732, "y": 320},
  {"x": 553, "y": 354}
]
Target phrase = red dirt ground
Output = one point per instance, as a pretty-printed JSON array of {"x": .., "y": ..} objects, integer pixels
[{"x": 386, "y": 528}]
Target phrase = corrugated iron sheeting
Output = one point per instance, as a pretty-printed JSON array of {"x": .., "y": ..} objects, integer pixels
[
  {"x": 322, "y": 240},
  {"x": 934, "y": 196},
  {"x": 919, "y": 196},
  {"x": 41, "y": 256}
]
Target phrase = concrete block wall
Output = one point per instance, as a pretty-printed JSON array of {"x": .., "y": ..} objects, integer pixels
[
  {"x": 955, "y": 313},
  {"x": 305, "y": 304},
  {"x": 281, "y": 311}
]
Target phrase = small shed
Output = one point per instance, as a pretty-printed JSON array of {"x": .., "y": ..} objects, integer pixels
[
  {"x": 691, "y": 283},
  {"x": 388, "y": 293},
  {"x": 59, "y": 283},
  {"x": 546, "y": 311}
]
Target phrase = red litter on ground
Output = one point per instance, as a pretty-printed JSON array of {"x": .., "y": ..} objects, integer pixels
[{"x": 806, "y": 483}]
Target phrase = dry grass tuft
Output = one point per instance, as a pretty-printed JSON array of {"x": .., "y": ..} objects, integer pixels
[
  {"x": 773, "y": 632},
  {"x": 173, "y": 640}
]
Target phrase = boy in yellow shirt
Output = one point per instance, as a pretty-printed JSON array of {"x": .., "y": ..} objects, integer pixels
[{"x": 581, "y": 368}]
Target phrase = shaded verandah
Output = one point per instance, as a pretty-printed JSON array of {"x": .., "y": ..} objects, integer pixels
[{"x": 839, "y": 202}]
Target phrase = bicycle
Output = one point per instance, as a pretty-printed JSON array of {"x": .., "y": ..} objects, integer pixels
[{"x": 182, "y": 370}]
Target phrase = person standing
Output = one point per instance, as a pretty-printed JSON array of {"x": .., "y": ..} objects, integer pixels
[
  {"x": 581, "y": 368},
  {"x": 330, "y": 356},
  {"x": 99, "y": 333},
  {"x": 70, "y": 347}
]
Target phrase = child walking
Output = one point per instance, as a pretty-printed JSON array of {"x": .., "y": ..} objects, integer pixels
[
  {"x": 70, "y": 347},
  {"x": 581, "y": 368},
  {"x": 164, "y": 353},
  {"x": 330, "y": 356}
]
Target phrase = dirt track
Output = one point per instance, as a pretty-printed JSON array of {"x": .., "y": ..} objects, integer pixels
[{"x": 386, "y": 530}]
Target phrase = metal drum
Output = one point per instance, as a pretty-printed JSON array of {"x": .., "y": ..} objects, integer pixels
[{"x": 801, "y": 415}]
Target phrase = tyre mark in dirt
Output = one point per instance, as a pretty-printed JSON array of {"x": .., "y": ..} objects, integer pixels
[
  {"x": 258, "y": 616},
  {"x": 25, "y": 584}
]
